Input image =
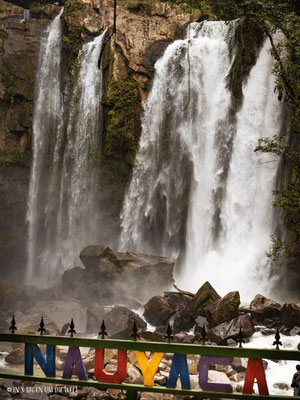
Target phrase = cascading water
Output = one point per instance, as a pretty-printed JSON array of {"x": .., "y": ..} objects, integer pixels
[
  {"x": 186, "y": 112},
  {"x": 63, "y": 213},
  {"x": 210, "y": 172},
  {"x": 47, "y": 130}
]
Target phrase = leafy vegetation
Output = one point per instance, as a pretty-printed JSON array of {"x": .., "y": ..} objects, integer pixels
[
  {"x": 8, "y": 83},
  {"x": 121, "y": 133}
]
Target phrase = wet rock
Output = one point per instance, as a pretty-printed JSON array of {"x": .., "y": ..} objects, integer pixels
[
  {"x": 239, "y": 364},
  {"x": 223, "y": 309},
  {"x": 178, "y": 301},
  {"x": 290, "y": 315},
  {"x": 205, "y": 296},
  {"x": 142, "y": 273},
  {"x": 121, "y": 319},
  {"x": 61, "y": 311},
  {"x": 281, "y": 386},
  {"x": 13, "y": 298},
  {"x": 183, "y": 321},
  {"x": 262, "y": 309},
  {"x": 218, "y": 377},
  {"x": 295, "y": 331},
  {"x": 158, "y": 311},
  {"x": 230, "y": 329},
  {"x": 133, "y": 375},
  {"x": 29, "y": 323},
  {"x": 95, "y": 315},
  {"x": 16, "y": 356}
]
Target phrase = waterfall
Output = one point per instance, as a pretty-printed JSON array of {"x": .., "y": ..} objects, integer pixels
[
  {"x": 186, "y": 112},
  {"x": 64, "y": 211},
  {"x": 46, "y": 132},
  {"x": 196, "y": 178},
  {"x": 239, "y": 261}
]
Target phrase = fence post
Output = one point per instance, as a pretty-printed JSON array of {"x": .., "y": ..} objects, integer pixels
[{"x": 131, "y": 394}]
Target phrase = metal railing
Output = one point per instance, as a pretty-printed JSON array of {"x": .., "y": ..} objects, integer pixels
[{"x": 161, "y": 347}]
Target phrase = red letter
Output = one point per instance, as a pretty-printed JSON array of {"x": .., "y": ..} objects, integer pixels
[
  {"x": 255, "y": 369},
  {"x": 118, "y": 376}
]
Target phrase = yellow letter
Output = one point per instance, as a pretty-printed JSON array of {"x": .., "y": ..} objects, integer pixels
[{"x": 149, "y": 369}]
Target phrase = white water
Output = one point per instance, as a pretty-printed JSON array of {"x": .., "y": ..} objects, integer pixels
[
  {"x": 46, "y": 131},
  {"x": 276, "y": 372},
  {"x": 239, "y": 260},
  {"x": 193, "y": 156},
  {"x": 64, "y": 211}
]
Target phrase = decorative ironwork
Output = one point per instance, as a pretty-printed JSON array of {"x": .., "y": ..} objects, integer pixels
[
  {"x": 42, "y": 327},
  {"x": 203, "y": 335},
  {"x": 240, "y": 337},
  {"x": 277, "y": 341},
  {"x": 102, "y": 332},
  {"x": 72, "y": 330},
  {"x": 13, "y": 326},
  {"x": 169, "y": 332},
  {"x": 134, "y": 334}
]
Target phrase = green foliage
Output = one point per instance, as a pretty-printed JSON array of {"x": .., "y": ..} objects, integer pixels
[
  {"x": 121, "y": 128},
  {"x": 70, "y": 9},
  {"x": 278, "y": 250},
  {"x": 139, "y": 6},
  {"x": 121, "y": 134},
  {"x": 72, "y": 44},
  {"x": 15, "y": 156},
  {"x": 8, "y": 83}
]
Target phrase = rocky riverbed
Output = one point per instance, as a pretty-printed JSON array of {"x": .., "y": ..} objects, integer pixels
[{"x": 98, "y": 292}]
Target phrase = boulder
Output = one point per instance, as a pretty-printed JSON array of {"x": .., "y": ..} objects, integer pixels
[
  {"x": 223, "y": 309},
  {"x": 13, "y": 298},
  {"x": 61, "y": 311},
  {"x": 290, "y": 315},
  {"x": 16, "y": 356},
  {"x": 178, "y": 301},
  {"x": 262, "y": 308},
  {"x": 205, "y": 296},
  {"x": 230, "y": 329},
  {"x": 183, "y": 321},
  {"x": 218, "y": 377},
  {"x": 95, "y": 314},
  {"x": 29, "y": 323},
  {"x": 158, "y": 311},
  {"x": 144, "y": 274},
  {"x": 120, "y": 320}
]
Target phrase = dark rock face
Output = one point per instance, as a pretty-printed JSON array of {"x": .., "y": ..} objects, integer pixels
[
  {"x": 223, "y": 309},
  {"x": 290, "y": 315},
  {"x": 158, "y": 311},
  {"x": 262, "y": 308},
  {"x": 205, "y": 296},
  {"x": 13, "y": 197},
  {"x": 230, "y": 329},
  {"x": 143, "y": 274},
  {"x": 13, "y": 298}
]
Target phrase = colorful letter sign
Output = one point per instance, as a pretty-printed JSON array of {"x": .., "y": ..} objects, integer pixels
[
  {"x": 255, "y": 370},
  {"x": 74, "y": 359},
  {"x": 203, "y": 374},
  {"x": 118, "y": 376},
  {"x": 47, "y": 365},
  {"x": 179, "y": 369},
  {"x": 149, "y": 369}
]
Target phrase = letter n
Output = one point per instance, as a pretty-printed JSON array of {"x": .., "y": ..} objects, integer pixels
[
  {"x": 118, "y": 376},
  {"x": 74, "y": 359},
  {"x": 255, "y": 370},
  {"x": 46, "y": 364}
]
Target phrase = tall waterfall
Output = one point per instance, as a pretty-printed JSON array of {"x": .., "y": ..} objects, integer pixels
[
  {"x": 196, "y": 177},
  {"x": 63, "y": 212}
]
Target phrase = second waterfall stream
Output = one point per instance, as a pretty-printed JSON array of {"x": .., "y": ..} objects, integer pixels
[{"x": 199, "y": 192}]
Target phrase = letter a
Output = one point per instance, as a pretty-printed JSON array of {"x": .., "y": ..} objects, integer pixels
[
  {"x": 179, "y": 368},
  {"x": 118, "y": 376},
  {"x": 74, "y": 359},
  {"x": 255, "y": 370},
  {"x": 148, "y": 369}
]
